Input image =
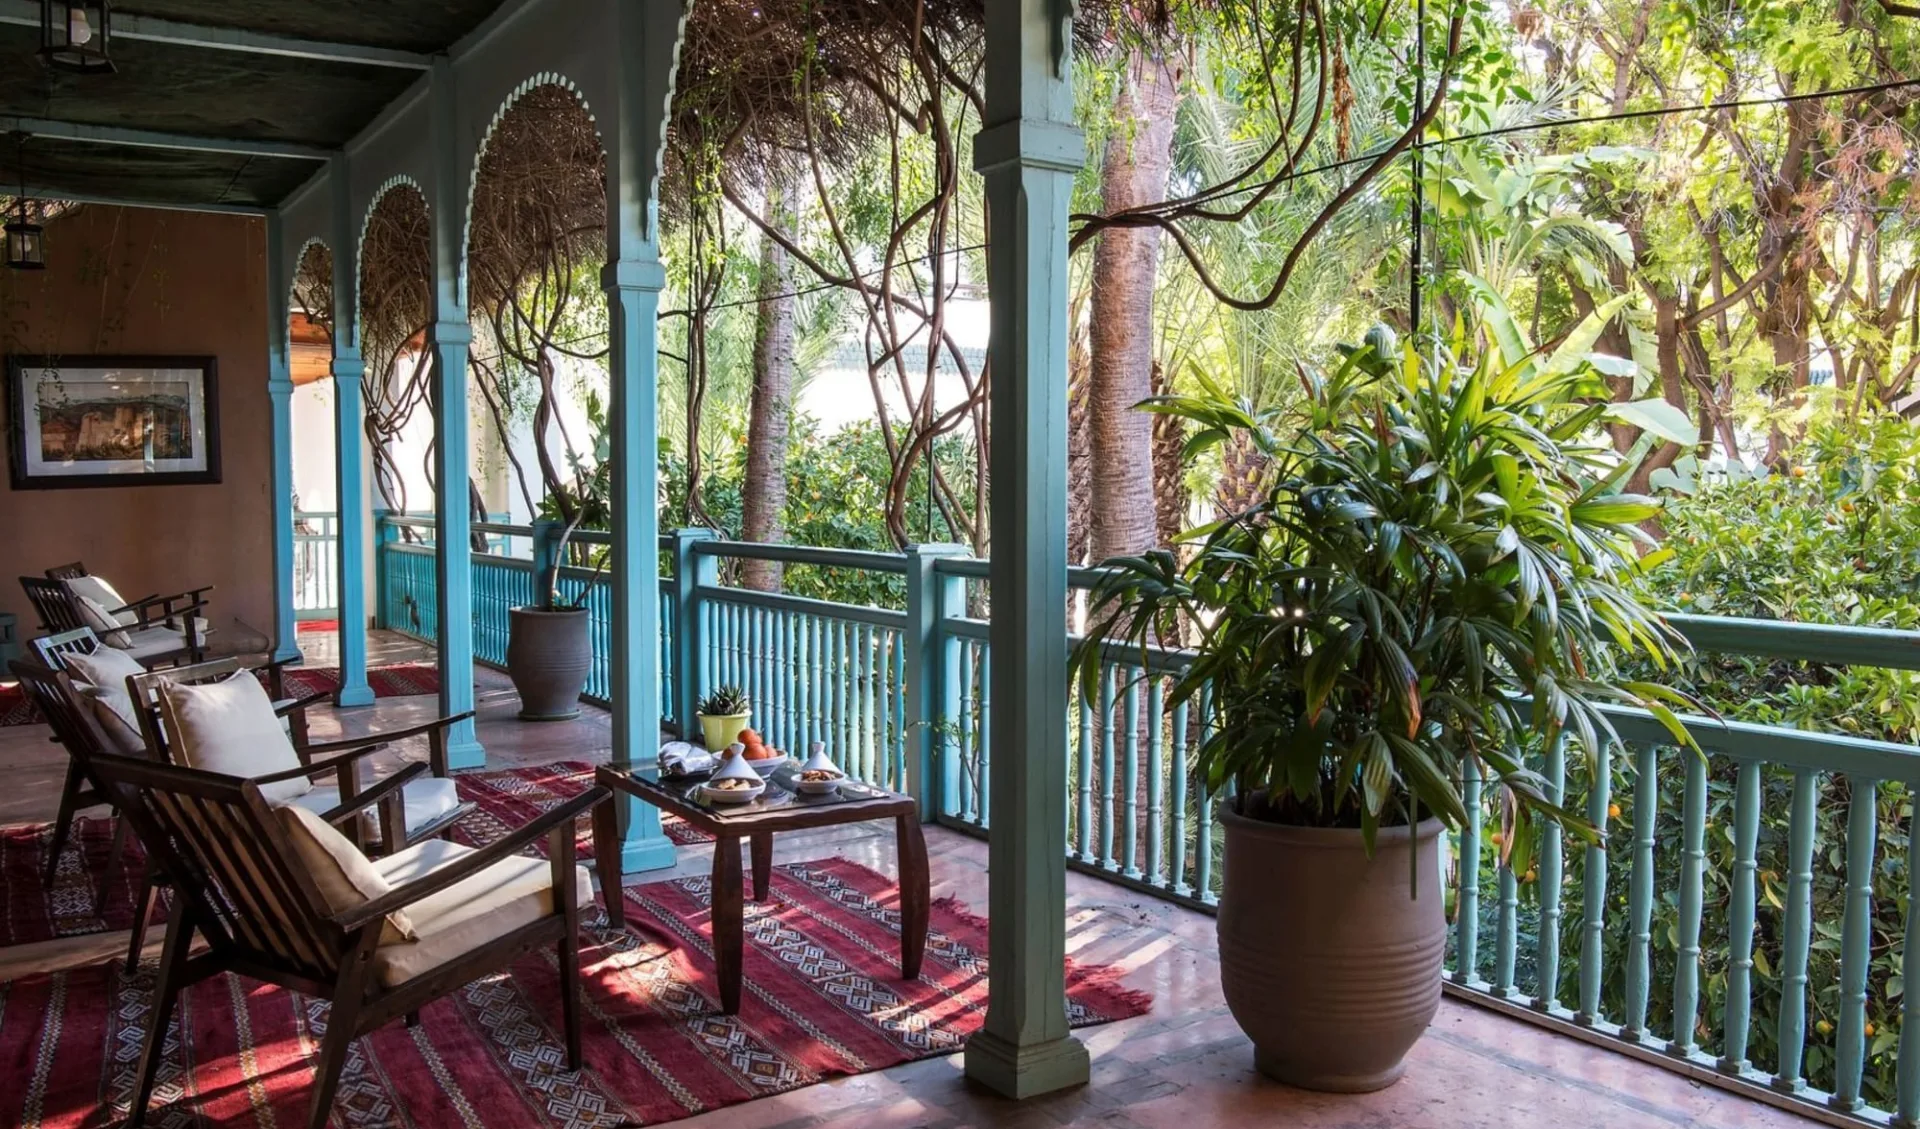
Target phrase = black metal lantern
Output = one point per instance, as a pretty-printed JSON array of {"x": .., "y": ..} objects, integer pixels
[
  {"x": 73, "y": 36},
  {"x": 26, "y": 243}
]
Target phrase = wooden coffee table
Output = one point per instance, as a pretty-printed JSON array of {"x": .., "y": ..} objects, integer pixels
[{"x": 778, "y": 809}]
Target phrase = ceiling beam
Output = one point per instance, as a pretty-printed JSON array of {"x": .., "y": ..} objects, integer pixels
[
  {"x": 150, "y": 139},
  {"x": 152, "y": 29},
  {"x": 48, "y": 192}
]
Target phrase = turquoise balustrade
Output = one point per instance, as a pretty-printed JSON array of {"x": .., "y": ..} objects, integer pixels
[
  {"x": 1713, "y": 896},
  {"x": 316, "y": 565}
]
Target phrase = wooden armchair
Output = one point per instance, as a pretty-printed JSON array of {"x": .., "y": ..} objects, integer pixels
[
  {"x": 151, "y": 635},
  {"x": 278, "y": 896},
  {"x": 192, "y": 598},
  {"x": 429, "y": 806}
]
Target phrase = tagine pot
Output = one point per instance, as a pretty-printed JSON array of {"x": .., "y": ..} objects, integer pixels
[
  {"x": 1329, "y": 959},
  {"x": 549, "y": 655}
]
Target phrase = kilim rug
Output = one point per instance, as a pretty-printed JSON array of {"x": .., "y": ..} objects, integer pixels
[
  {"x": 15, "y": 707},
  {"x": 823, "y": 998},
  {"x": 514, "y": 797},
  {"x": 396, "y": 680},
  {"x": 35, "y": 912},
  {"x": 504, "y": 799}
]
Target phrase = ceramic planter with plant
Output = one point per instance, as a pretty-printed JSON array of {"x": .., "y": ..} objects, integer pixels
[
  {"x": 1436, "y": 578},
  {"x": 549, "y": 647},
  {"x": 723, "y": 714}
]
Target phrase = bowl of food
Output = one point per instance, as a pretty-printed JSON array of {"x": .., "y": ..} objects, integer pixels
[
  {"x": 732, "y": 790},
  {"x": 760, "y": 756},
  {"x": 819, "y": 781}
]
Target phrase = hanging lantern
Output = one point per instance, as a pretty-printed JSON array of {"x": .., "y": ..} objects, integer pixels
[
  {"x": 26, "y": 245},
  {"x": 73, "y": 35}
]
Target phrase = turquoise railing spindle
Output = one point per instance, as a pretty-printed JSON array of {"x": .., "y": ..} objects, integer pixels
[
  {"x": 813, "y": 669},
  {"x": 1203, "y": 837},
  {"x": 1177, "y": 839},
  {"x": 986, "y": 734},
  {"x": 1856, "y": 939},
  {"x": 1083, "y": 823},
  {"x": 1907, "y": 1073},
  {"x": 969, "y": 749},
  {"x": 1797, "y": 930},
  {"x": 1107, "y": 673},
  {"x": 1746, "y": 839},
  {"x": 1130, "y": 777},
  {"x": 1506, "y": 929},
  {"x": 1646, "y": 814},
  {"x": 1466, "y": 926},
  {"x": 901, "y": 740},
  {"x": 1156, "y": 771},
  {"x": 870, "y": 749},
  {"x": 1547, "y": 953},
  {"x": 1693, "y": 859},
  {"x": 1593, "y": 891}
]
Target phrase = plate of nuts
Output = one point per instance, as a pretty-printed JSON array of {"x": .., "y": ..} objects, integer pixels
[{"x": 732, "y": 790}]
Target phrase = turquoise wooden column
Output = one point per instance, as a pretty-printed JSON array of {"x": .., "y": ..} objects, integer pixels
[
  {"x": 644, "y": 36},
  {"x": 349, "y": 443},
  {"x": 286, "y": 641},
  {"x": 1028, "y": 151},
  {"x": 449, "y": 337}
]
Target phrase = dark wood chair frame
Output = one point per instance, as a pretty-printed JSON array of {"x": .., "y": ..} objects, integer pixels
[
  {"x": 393, "y": 831},
  {"x": 59, "y": 613},
  {"x": 239, "y": 885}
]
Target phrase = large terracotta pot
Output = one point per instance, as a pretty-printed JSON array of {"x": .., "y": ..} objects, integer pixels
[
  {"x": 1328, "y": 959},
  {"x": 548, "y": 657}
]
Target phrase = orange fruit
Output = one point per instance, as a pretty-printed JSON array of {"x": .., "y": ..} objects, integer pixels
[
  {"x": 748, "y": 737},
  {"x": 759, "y": 752}
]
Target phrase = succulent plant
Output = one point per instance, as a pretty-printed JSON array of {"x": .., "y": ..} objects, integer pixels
[{"x": 725, "y": 701}]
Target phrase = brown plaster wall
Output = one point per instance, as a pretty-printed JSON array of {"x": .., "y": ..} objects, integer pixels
[{"x": 130, "y": 281}]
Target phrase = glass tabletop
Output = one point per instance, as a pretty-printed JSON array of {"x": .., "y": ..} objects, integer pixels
[{"x": 780, "y": 794}]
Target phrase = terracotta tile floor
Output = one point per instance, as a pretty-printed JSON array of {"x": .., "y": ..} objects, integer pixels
[{"x": 1184, "y": 1066}]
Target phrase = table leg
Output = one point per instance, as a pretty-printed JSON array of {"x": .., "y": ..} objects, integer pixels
[
  {"x": 606, "y": 850},
  {"x": 728, "y": 916},
  {"x": 762, "y": 864},
  {"x": 915, "y": 896}
]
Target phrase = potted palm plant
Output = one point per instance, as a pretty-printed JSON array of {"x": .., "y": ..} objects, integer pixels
[
  {"x": 549, "y": 645},
  {"x": 723, "y": 716},
  {"x": 1435, "y": 577}
]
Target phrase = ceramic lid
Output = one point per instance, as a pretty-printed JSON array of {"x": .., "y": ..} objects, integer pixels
[
  {"x": 735, "y": 767},
  {"x": 819, "y": 760}
]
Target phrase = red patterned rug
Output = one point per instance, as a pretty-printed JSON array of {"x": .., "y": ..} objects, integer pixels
[
  {"x": 823, "y": 999},
  {"x": 514, "y": 797},
  {"x": 35, "y": 912},
  {"x": 396, "y": 680},
  {"x": 15, "y": 707},
  {"x": 504, "y": 799}
]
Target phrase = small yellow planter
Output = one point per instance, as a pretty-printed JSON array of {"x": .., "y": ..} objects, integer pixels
[{"x": 721, "y": 730}]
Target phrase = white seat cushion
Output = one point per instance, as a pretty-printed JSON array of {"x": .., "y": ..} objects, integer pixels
[
  {"x": 229, "y": 727},
  {"x": 516, "y": 891},
  {"x": 100, "y": 592},
  {"x": 422, "y": 802},
  {"x": 342, "y": 874},
  {"x": 148, "y": 642}
]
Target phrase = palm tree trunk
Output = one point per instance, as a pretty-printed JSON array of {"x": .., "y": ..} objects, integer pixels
[
  {"x": 1120, "y": 330},
  {"x": 769, "y": 415}
]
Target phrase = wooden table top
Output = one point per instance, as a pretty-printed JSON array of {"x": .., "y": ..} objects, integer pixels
[{"x": 779, "y": 808}]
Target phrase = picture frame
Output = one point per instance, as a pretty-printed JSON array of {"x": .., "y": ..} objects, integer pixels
[{"x": 97, "y": 420}]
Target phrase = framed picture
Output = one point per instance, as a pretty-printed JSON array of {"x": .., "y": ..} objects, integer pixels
[{"x": 112, "y": 421}]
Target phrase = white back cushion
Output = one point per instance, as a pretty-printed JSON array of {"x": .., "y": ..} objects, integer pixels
[
  {"x": 345, "y": 878},
  {"x": 104, "y": 625},
  {"x": 100, "y": 592},
  {"x": 229, "y": 727},
  {"x": 123, "y": 737},
  {"x": 107, "y": 670}
]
